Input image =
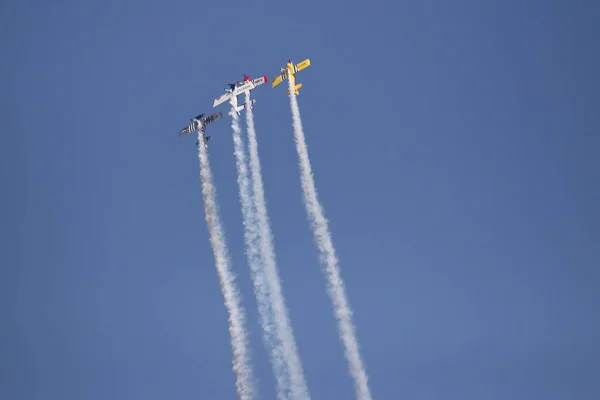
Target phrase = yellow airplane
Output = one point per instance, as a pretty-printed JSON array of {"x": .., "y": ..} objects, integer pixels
[{"x": 290, "y": 70}]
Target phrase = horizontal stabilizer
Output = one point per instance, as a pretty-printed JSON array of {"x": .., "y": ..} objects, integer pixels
[
  {"x": 206, "y": 139},
  {"x": 240, "y": 108},
  {"x": 296, "y": 88}
]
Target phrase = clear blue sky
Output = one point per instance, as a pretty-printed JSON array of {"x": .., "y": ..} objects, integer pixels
[{"x": 455, "y": 148}]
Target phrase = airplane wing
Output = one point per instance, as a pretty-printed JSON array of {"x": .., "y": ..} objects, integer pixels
[
  {"x": 279, "y": 79},
  {"x": 259, "y": 81},
  {"x": 224, "y": 97},
  {"x": 248, "y": 85},
  {"x": 304, "y": 64},
  {"x": 188, "y": 129},
  {"x": 213, "y": 118}
]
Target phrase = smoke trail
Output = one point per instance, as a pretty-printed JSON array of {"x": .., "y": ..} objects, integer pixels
[
  {"x": 322, "y": 236},
  {"x": 284, "y": 327},
  {"x": 261, "y": 287},
  {"x": 237, "y": 319}
]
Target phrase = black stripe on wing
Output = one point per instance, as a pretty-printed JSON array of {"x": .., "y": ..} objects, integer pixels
[{"x": 188, "y": 129}]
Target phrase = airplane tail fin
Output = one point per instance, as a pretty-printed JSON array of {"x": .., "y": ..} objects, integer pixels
[{"x": 296, "y": 88}]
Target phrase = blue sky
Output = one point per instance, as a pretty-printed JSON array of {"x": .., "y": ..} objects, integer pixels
[{"x": 454, "y": 147}]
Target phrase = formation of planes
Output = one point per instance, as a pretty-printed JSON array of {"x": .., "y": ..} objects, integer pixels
[{"x": 233, "y": 90}]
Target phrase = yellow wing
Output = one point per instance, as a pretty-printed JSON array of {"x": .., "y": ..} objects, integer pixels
[
  {"x": 277, "y": 81},
  {"x": 302, "y": 65}
]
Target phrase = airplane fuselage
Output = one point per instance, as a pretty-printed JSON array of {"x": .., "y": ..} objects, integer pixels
[
  {"x": 291, "y": 75},
  {"x": 234, "y": 100}
]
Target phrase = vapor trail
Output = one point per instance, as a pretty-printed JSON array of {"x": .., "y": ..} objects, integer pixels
[
  {"x": 261, "y": 286},
  {"x": 237, "y": 319},
  {"x": 322, "y": 236},
  {"x": 298, "y": 385}
]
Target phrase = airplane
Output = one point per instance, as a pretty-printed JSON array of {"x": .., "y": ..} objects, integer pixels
[
  {"x": 200, "y": 122},
  {"x": 233, "y": 90},
  {"x": 291, "y": 70}
]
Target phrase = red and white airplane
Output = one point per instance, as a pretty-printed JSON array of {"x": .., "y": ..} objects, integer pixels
[{"x": 233, "y": 90}]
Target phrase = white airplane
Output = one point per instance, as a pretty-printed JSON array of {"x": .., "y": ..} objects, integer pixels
[{"x": 233, "y": 90}]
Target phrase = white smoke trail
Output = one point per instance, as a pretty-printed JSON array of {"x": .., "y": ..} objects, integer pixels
[
  {"x": 322, "y": 236},
  {"x": 261, "y": 287},
  {"x": 298, "y": 385},
  {"x": 237, "y": 319}
]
